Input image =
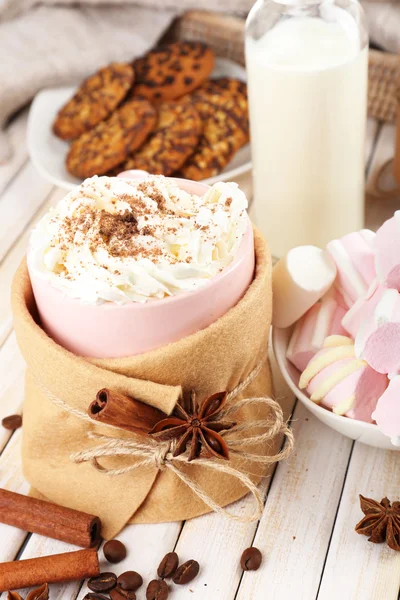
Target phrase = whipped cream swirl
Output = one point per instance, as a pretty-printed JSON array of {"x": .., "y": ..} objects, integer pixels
[{"x": 121, "y": 240}]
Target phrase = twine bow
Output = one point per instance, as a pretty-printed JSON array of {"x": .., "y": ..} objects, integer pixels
[{"x": 148, "y": 452}]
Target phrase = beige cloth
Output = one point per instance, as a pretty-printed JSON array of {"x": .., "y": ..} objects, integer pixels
[
  {"x": 12, "y": 8},
  {"x": 217, "y": 358},
  {"x": 383, "y": 20},
  {"x": 45, "y": 43},
  {"x": 60, "y": 45}
]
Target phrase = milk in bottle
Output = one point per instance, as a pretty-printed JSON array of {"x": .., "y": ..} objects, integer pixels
[{"x": 307, "y": 82}]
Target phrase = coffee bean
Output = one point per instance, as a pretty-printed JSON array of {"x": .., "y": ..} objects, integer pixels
[
  {"x": 157, "y": 590},
  {"x": 130, "y": 580},
  {"x": 118, "y": 594},
  {"x": 103, "y": 582},
  {"x": 12, "y": 422},
  {"x": 114, "y": 551},
  {"x": 251, "y": 559},
  {"x": 93, "y": 596},
  {"x": 168, "y": 565},
  {"x": 186, "y": 572}
]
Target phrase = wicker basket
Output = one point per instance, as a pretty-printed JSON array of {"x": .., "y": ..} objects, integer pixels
[
  {"x": 384, "y": 76},
  {"x": 225, "y": 35}
]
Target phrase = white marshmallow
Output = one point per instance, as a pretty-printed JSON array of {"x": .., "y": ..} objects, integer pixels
[{"x": 299, "y": 280}]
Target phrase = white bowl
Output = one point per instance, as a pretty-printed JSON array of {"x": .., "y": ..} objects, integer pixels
[
  {"x": 48, "y": 152},
  {"x": 366, "y": 433}
]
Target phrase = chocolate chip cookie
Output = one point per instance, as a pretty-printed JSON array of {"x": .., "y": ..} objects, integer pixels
[
  {"x": 223, "y": 93},
  {"x": 228, "y": 86},
  {"x": 94, "y": 101},
  {"x": 175, "y": 137},
  {"x": 111, "y": 141},
  {"x": 169, "y": 72},
  {"x": 225, "y": 130}
]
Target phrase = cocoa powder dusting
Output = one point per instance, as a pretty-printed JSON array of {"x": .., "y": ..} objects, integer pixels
[
  {"x": 153, "y": 193},
  {"x": 119, "y": 233}
]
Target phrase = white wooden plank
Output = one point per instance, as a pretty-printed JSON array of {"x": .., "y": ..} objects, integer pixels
[
  {"x": 11, "y": 478},
  {"x": 12, "y": 369},
  {"x": 146, "y": 546},
  {"x": 16, "y": 132},
  {"x": 356, "y": 568},
  {"x": 19, "y": 203},
  {"x": 217, "y": 544},
  {"x": 11, "y": 263},
  {"x": 297, "y": 522}
]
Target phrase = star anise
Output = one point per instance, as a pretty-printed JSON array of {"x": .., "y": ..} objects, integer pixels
[
  {"x": 381, "y": 522},
  {"x": 197, "y": 426}
]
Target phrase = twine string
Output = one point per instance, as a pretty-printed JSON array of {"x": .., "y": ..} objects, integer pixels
[
  {"x": 149, "y": 453},
  {"x": 85, "y": 417}
]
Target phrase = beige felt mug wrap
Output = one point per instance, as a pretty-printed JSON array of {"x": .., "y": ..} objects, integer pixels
[{"x": 215, "y": 359}]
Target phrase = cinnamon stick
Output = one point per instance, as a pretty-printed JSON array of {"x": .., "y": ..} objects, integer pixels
[
  {"x": 50, "y": 520},
  {"x": 70, "y": 566},
  {"x": 123, "y": 411}
]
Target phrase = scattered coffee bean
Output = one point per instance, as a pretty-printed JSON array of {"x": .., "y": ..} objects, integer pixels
[
  {"x": 114, "y": 551},
  {"x": 12, "y": 422},
  {"x": 130, "y": 580},
  {"x": 157, "y": 590},
  {"x": 251, "y": 559},
  {"x": 168, "y": 565},
  {"x": 186, "y": 572},
  {"x": 118, "y": 594},
  {"x": 94, "y": 596},
  {"x": 103, "y": 582}
]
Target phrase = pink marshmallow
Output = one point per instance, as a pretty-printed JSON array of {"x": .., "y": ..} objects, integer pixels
[
  {"x": 341, "y": 382},
  {"x": 354, "y": 256},
  {"x": 378, "y": 339},
  {"x": 309, "y": 334},
  {"x": 388, "y": 252},
  {"x": 387, "y": 411},
  {"x": 362, "y": 309}
]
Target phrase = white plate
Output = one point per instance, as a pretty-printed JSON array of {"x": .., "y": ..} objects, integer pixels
[
  {"x": 48, "y": 152},
  {"x": 367, "y": 433}
]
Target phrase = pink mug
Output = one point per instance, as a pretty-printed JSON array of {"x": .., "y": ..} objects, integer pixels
[{"x": 111, "y": 330}]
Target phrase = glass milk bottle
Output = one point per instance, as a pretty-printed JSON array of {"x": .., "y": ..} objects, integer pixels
[{"x": 307, "y": 67}]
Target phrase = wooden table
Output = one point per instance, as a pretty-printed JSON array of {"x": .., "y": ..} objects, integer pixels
[{"x": 307, "y": 530}]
